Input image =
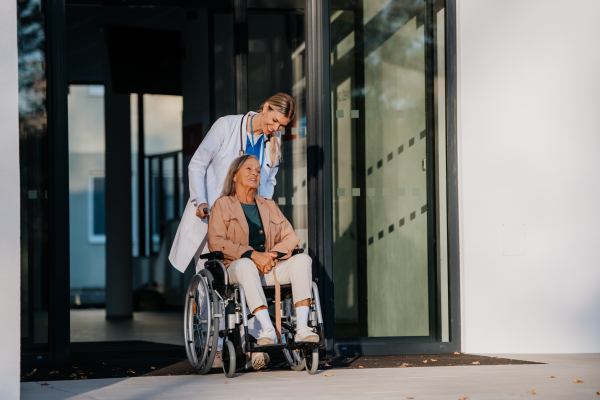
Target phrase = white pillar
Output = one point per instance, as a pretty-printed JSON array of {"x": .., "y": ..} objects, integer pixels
[{"x": 10, "y": 243}]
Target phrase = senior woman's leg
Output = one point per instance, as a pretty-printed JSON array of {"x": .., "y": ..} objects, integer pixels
[
  {"x": 297, "y": 271},
  {"x": 244, "y": 272}
]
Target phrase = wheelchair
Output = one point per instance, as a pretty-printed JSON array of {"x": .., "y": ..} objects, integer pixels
[{"x": 210, "y": 297}]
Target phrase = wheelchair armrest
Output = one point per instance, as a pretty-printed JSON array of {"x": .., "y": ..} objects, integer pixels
[
  {"x": 215, "y": 255},
  {"x": 297, "y": 251}
]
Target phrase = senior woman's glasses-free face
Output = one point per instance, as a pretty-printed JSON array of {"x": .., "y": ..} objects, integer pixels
[{"x": 249, "y": 175}]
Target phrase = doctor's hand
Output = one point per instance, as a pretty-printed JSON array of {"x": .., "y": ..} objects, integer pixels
[
  {"x": 200, "y": 211},
  {"x": 263, "y": 261}
]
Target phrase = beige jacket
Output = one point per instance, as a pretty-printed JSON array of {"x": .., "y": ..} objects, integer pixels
[{"x": 228, "y": 229}]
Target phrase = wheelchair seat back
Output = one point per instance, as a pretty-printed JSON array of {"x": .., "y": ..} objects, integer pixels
[{"x": 218, "y": 273}]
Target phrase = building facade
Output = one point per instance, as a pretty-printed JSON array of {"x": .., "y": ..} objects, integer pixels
[{"x": 437, "y": 172}]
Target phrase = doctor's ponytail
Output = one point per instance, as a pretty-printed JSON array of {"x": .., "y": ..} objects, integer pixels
[{"x": 285, "y": 105}]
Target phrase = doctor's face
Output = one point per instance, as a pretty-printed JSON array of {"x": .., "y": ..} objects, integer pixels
[
  {"x": 248, "y": 177},
  {"x": 273, "y": 120}
]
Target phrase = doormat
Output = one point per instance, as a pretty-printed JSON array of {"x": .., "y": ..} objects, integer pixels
[{"x": 139, "y": 358}]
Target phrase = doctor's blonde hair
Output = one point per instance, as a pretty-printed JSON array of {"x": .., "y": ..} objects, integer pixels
[
  {"x": 236, "y": 165},
  {"x": 285, "y": 105}
]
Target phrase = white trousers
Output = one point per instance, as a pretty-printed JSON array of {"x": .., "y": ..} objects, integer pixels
[{"x": 297, "y": 271}]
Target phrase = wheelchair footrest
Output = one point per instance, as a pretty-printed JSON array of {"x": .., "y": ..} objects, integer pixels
[
  {"x": 269, "y": 348},
  {"x": 307, "y": 345}
]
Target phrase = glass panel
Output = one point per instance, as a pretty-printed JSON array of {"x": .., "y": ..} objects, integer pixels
[
  {"x": 389, "y": 198},
  {"x": 276, "y": 64},
  {"x": 86, "y": 195},
  {"x": 33, "y": 156},
  {"x": 224, "y": 66}
]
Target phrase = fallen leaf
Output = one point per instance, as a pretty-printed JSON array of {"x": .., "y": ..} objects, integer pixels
[
  {"x": 475, "y": 362},
  {"x": 456, "y": 352},
  {"x": 45, "y": 384},
  {"x": 327, "y": 374},
  {"x": 577, "y": 381},
  {"x": 433, "y": 359},
  {"x": 226, "y": 383},
  {"x": 360, "y": 366},
  {"x": 84, "y": 377},
  {"x": 129, "y": 371},
  {"x": 73, "y": 375},
  {"x": 52, "y": 372},
  {"x": 463, "y": 398},
  {"x": 327, "y": 365},
  {"x": 533, "y": 391},
  {"x": 424, "y": 361},
  {"x": 552, "y": 376},
  {"x": 152, "y": 367},
  {"x": 32, "y": 372},
  {"x": 410, "y": 397},
  {"x": 598, "y": 393}
]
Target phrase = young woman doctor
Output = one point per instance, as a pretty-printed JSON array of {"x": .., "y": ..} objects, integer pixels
[{"x": 256, "y": 133}]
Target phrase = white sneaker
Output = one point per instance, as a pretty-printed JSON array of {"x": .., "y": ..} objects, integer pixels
[
  {"x": 260, "y": 360},
  {"x": 305, "y": 334},
  {"x": 266, "y": 337}
]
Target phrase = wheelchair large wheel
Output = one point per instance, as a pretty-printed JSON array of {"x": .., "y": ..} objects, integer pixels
[
  {"x": 312, "y": 361},
  {"x": 201, "y": 328},
  {"x": 229, "y": 359}
]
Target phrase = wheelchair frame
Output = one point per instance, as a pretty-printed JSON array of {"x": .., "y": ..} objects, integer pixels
[{"x": 221, "y": 300}]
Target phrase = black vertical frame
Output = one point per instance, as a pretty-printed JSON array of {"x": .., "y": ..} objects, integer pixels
[
  {"x": 318, "y": 128},
  {"x": 58, "y": 191}
]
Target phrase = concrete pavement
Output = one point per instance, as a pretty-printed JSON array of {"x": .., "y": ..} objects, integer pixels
[{"x": 448, "y": 382}]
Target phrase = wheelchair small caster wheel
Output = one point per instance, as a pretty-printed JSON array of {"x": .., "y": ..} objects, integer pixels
[
  {"x": 229, "y": 359},
  {"x": 312, "y": 362}
]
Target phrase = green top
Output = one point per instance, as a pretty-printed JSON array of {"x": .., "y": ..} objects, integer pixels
[{"x": 256, "y": 238}]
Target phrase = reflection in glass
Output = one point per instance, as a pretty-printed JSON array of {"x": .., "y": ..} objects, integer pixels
[
  {"x": 276, "y": 64},
  {"x": 33, "y": 155},
  {"x": 386, "y": 149}
]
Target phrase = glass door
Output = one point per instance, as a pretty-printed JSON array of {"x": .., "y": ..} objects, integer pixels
[{"x": 388, "y": 172}]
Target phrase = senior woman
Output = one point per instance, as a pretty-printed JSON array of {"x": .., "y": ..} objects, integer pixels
[{"x": 257, "y": 242}]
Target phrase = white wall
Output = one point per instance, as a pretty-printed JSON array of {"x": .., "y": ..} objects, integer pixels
[
  {"x": 529, "y": 139},
  {"x": 10, "y": 244}
]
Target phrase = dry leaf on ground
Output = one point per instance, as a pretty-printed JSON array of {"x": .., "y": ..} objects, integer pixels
[
  {"x": 533, "y": 391},
  {"x": 552, "y": 376},
  {"x": 327, "y": 374},
  {"x": 52, "y": 372},
  {"x": 360, "y": 366},
  {"x": 327, "y": 365},
  {"x": 598, "y": 393},
  {"x": 475, "y": 362},
  {"x": 73, "y": 375},
  {"x": 424, "y": 361},
  {"x": 152, "y": 367},
  {"x": 456, "y": 352},
  {"x": 410, "y": 397},
  {"x": 463, "y": 398},
  {"x": 45, "y": 384},
  {"x": 84, "y": 377},
  {"x": 226, "y": 383},
  {"x": 129, "y": 371},
  {"x": 577, "y": 381},
  {"x": 433, "y": 359}
]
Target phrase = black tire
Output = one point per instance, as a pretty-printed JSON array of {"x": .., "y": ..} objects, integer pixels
[
  {"x": 312, "y": 362},
  {"x": 229, "y": 359},
  {"x": 194, "y": 346}
]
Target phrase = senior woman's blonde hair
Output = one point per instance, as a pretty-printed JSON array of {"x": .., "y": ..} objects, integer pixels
[
  {"x": 285, "y": 105},
  {"x": 236, "y": 165}
]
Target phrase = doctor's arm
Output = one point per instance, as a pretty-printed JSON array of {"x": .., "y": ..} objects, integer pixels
[
  {"x": 205, "y": 153},
  {"x": 271, "y": 181}
]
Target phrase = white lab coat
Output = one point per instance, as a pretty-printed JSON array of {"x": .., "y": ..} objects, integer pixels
[{"x": 207, "y": 172}]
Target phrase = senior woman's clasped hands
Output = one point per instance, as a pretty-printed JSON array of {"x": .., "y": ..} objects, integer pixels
[{"x": 256, "y": 238}]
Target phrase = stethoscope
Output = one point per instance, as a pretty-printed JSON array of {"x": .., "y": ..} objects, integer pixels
[{"x": 242, "y": 152}]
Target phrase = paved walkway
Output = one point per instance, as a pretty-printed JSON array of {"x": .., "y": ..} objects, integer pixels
[{"x": 470, "y": 382}]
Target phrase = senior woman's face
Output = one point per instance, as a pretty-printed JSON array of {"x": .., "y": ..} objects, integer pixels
[
  {"x": 273, "y": 120},
  {"x": 249, "y": 175}
]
